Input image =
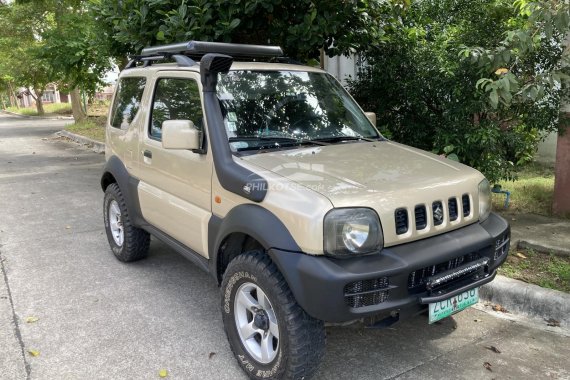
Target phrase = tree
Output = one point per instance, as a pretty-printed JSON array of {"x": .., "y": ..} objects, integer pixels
[
  {"x": 20, "y": 50},
  {"x": 71, "y": 46},
  {"x": 7, "y": 88},
  {"x": 77, "y": 54},
  {"x": 528, "y": 60},
  {"x": 301, "y": 27},
  {"x": 46, "y": 41},
  {"x": 457, "y": 80}
]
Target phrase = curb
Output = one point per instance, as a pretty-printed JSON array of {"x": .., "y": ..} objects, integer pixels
[
  {"x": 96, "y": 146},
  {"x": 37, "y": 117},
  {"x": 523, "y": 244},
  {"x": 528, "y": 299}
]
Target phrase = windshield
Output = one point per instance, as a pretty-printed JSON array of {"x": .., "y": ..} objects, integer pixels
[{"x": 265, "y": 109}]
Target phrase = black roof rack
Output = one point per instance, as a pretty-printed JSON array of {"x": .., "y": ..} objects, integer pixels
[
  {"x": 185, "y": 53},
  {"x": 180, "y": 59},
  {"x": 200, "y": 48}
]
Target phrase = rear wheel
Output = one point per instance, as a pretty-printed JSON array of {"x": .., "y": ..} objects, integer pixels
[
  {"x": 127, "y": 242},
  {"x": 269, "y": 333}
]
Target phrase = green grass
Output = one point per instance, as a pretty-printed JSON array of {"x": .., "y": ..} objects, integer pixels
[
  {"x": 531, "y": 193},
  {"x": 543, "y": 269},
  {"x": 50, "y": 110},
  {"x": 93, "y": 127},
  {"x": 23, "y": 111}
]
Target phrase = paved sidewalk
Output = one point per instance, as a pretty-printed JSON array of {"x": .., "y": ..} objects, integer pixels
[{"x": 539, "y": 232}]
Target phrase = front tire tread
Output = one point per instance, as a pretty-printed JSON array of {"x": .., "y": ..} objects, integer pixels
[{"x": 306, "y": 335}]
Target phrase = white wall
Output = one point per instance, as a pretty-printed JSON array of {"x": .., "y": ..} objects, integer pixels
[
  {"x": 341, "y": 67},
  {"x": 547, "y": 149}
]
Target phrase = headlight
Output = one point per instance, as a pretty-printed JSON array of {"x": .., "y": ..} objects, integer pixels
[
  {"x": 484, "y": 200},
  {"x": 352, "y": 231}
]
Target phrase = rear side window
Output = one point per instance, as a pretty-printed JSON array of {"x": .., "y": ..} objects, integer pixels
[
  {"x": 175, "y": 99},
  {"x": 127, "y": 101}
]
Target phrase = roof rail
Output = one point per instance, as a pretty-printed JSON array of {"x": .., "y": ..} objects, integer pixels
[{"x": 200, "y": 48}]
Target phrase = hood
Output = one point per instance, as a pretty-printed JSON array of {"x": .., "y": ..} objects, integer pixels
[{"x": 382, "y": 175}]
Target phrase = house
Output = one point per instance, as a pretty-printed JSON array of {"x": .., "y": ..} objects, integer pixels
[
  {"x": 26, "y": 97},
  {"x": 106, "y": 93}
]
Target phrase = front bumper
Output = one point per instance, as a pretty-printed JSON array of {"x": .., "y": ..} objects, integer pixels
[{"x": 403, "y": 278}]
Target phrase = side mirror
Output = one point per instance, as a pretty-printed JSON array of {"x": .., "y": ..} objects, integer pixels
[
  {"x": 180, "y": 134},
  {"x": 371, "y": 116}
]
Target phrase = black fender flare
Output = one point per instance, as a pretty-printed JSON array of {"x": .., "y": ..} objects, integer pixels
[
  {"x": 128, "y": 185},
  {"x": 253, "y": 220}
]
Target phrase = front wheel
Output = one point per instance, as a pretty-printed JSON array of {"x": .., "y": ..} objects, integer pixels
[
  {"x": 269, "y": 333},
  {"x": 127, "y": 242}
]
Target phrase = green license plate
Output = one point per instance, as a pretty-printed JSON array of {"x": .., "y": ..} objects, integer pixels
[{"x": 450, "y": 306}]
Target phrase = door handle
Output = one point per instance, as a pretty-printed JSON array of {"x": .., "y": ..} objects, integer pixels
[{"x": 147, "y": 154}]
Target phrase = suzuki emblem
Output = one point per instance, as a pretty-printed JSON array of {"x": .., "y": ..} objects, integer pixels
[{"x": 438, "y": 214}]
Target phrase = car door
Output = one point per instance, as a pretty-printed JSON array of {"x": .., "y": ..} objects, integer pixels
[{"x": 175, "y": 185}]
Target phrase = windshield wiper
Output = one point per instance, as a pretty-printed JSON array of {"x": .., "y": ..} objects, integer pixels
[
  {"x": 278, "y": 140},
  {"x": 334, "y": 139}
]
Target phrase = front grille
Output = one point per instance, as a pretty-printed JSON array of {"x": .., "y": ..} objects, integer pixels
[
  {"x": 417, "y": 279},
  {"x": 466, "y": 205},
  {"x": 438, "y": 215},
  {"x": 428, "y": 215},
  {"x": 420, "y": 214},
  {"x": 452, "y": 206},
  {"x": 366, "y": 292},
  {"x": 401, "y": 216}
]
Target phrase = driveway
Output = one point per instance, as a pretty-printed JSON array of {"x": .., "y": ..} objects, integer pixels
[{"x": 98, "y": 318}]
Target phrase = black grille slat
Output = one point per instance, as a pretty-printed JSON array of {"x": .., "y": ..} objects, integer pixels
[
  {"x": 466, "y": 205},
  {"x": 363, "y": 300},
  {"x": 420, "y": 214},
  {"x": 501, "y": 246},
  {"x": 440, "y": 211},
  {"x": 366, "y": 285},
  {"x": 366, "y": 292},
  {"x": 401, "y": 217},
  {"x": 452, "y": 206}
]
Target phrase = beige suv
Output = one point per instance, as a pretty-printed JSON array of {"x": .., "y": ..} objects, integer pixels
[{"x": 269, "y": 176}]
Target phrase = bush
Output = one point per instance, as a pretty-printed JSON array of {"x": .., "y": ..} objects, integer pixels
[{"x": 425, "y": 87}]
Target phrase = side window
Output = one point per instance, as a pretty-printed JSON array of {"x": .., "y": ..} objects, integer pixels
[
  {"x": 175, "y": 99},
  {"x": 127, "y": 101}
]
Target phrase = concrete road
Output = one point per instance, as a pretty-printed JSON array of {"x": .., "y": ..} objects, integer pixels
[{"x": 100, "y": 319}]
